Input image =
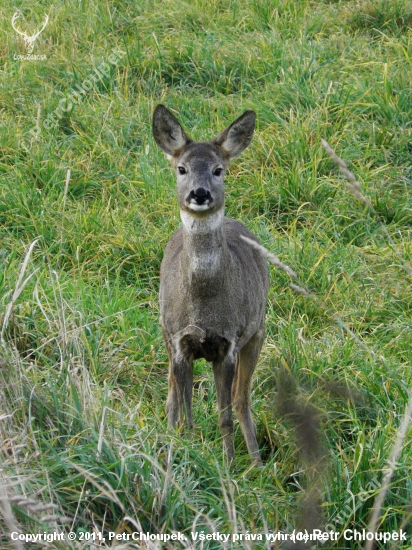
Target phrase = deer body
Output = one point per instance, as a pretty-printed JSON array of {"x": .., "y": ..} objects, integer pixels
[{"x": 213, "y": 285}]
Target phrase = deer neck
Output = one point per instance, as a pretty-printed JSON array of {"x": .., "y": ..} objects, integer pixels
[{"x": 204, "y": 247}]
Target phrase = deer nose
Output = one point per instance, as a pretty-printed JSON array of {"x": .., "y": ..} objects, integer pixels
[{"x": 200, "y": 195}]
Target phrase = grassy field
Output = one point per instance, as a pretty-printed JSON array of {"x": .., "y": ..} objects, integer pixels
[{"x": 87, "y": 204}]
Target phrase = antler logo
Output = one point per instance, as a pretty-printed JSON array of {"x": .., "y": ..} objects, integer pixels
[{"x": 29, "y": 40}]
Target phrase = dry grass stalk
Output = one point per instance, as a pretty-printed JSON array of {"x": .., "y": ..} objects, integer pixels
[
  {"x": 168, "y": 477},
  {"x": 66, "y": 187},
  {"x": 304, "y": 292},
  {"x": 8, "y": 516},
  {"x": 343, "y": 167},
  {"x": 271, "y": 257},
  {"x": 397, "y": 448},
  {"x": 300, "y": 290},
  {"x": 345, "y": 327},
  {"x": 101, "y": 430},
  {"x": 19, "y": 287},
  {"x": 356, "y": 189}
]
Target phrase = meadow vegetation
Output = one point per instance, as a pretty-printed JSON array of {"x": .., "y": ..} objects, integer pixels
[{"x": 87, "y": 205}]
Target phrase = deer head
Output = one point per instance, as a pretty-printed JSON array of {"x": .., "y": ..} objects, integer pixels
[{"x": 29, "y": 40}]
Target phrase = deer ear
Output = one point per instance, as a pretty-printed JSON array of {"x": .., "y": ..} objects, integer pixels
[
  {"x": 236, "y": 137},
  {"x": 168, "y": 133}
]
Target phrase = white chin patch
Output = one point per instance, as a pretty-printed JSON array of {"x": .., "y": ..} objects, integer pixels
[
  {"x": 198, "y": 207},
  {"x": 202, "y": 224}
]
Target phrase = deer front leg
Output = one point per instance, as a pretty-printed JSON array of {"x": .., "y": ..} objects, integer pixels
[
  {"x": 179, "y": 399},
  {"x": 248, "y": 357},
  {"x": 224, "y": 373}
]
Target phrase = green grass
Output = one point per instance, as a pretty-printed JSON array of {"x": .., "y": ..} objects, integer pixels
[{"x": 83, "y": 342}]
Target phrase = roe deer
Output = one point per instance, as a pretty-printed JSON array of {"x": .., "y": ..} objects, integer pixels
[{"x": 213, "y": 285}]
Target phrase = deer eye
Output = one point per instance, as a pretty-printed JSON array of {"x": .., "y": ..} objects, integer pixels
[
  {"x": 218, "y": 172},
  {"x": 182, "y": 170}
]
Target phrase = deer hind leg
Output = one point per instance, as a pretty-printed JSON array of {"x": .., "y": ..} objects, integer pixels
[
  {"x": 247, "y": 359},
  {"x": 224, "y": 373},
  {"x": 179, "y": 399}
]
